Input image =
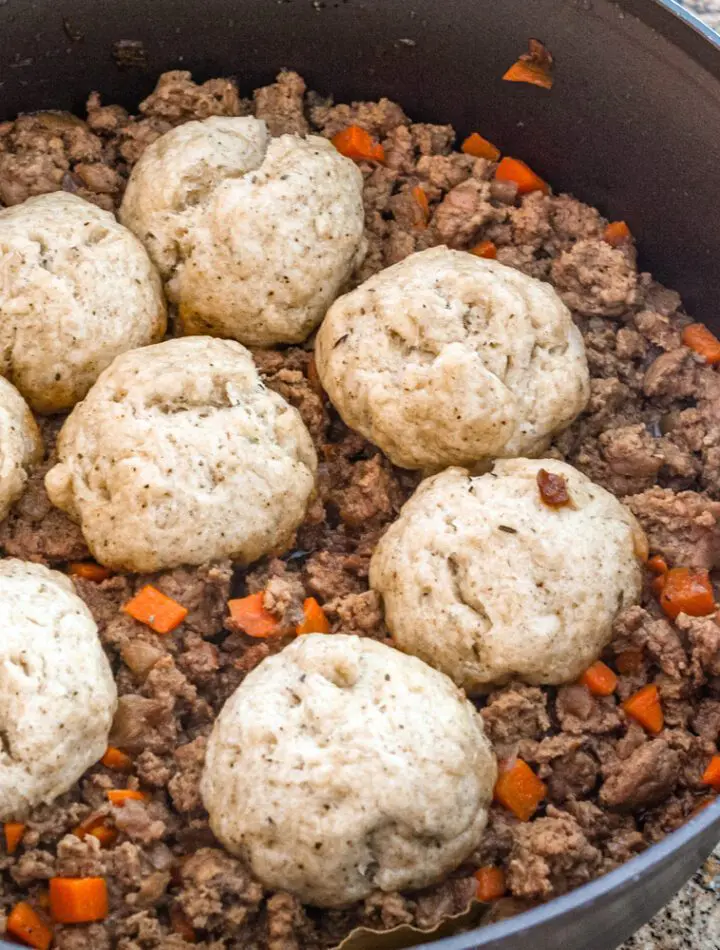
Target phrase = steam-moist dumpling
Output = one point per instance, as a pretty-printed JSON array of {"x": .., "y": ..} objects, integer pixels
[
  {"x": 254, "y": 236},
  {"x": 180, "y": 455},
  {"x": 57, "y": 693},
  {"x": 20, "y": 445},
  {"x": 76, "y": 290},
  {"x": 485, "y": 581},
  {"x": 448, "y": 359},
  {"x": 341, "y": 766}
]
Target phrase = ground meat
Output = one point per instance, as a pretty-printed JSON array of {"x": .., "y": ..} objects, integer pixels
[
  {"x": 176, "y": 98},
  {"x": 579, "y": 712},
  {"x": 282, "y": 106},
  {"x": 216, "y": 892},
  {"x": 514, "y": 713},
  {"x": 683, "y": 527},
  {"x": 645, "y": 778},
  {"x": 550, "y": 856},
  {"x": 650, "y": 434},
  {"x": 594, "y": 278}
]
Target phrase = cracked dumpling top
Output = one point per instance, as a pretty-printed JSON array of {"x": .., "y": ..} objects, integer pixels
[
  {"x": 484, "y": 580},
  {"x": 341, "y": 766},
  {"x": 449, "y": 359},
  {"x": 180, "y": 455},
  {"x": 76, "y": 290},
  {"x": 57, "y": 693},
  {"x": 20, "y": 445},
  {"x": 254, "y": 236}
]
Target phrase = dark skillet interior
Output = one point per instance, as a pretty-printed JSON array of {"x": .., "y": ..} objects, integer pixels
[{"x": 631, "y": 126}]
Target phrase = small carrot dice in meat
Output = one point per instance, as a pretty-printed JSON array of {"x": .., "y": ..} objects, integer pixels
[
  {"x": 26, "y": 925},
  {"x": 14, "y": 832},
  {"x": 711, "y": 775},
  {"x": 421, "y": 198},
  {"x": 521, "y": 175},
  {"x": 118, "y": 796},
  {"x": 116, "y": 760},
  {"x": 686, "y": 592},
  {"x": 315, "y": 620},
  {"x": 599, "y": 679},
  {"x": 485, "y": 249},
  {"x": 658, "y": 565},
  {"x": 490, "y": 884},
  {"x": 250, "y": 615},
  {"x": 356, "y": 143},
  {"x": 520, "y": 790},
  {"x": 479, "y": 147},
  {"x": 78, "y": 900},
  {"x": 89, "y": 571},
  {"x": 644, "y": 707},
  {"x": 703, "y": 342},
  {"x": 98, "y": 827},
  {"x": 617, "y": 233},
  {"x": 153, "y": 608}
]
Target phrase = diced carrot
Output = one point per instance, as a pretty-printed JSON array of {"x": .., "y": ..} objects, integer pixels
[
  {"x": 485, "y": 249},
  {"x": 43, "y": 900},
  {"x": 98, "y": 827},
  {"x": 520, "y": 174},
  {"x": 160, "y": 612},
  {"x": 644, "y": 707},
  {"x": 89, "y": 571},
  {"x": 14, "y": 831},
  {"x": 617, "y": 233},
  {"x": 421, "y": 198},
  {"x": 657, "y": 564},
  {"x": 520, "y": 790},
  {"x": 490, "y": 884},
  {"x": 356, "y": 143},
  {"x": 711, "y": 775},
  {"x": 250, "y": 614},
  {"x": 703, "y": 342},
  {"x": 599, "y": 679},
  {"x": 479, "y": 147},
  {"x": 629, "y": 661},
  {"x": 78, "y": 900},
  {"x": 181, "y": 925},
  {"x": 116, "y": 760},
  {"x": 118, "y": 796},
  {"x": 686, "y": 592},
  {"x": 534, "y": 67},
  {"x": 315, "y": 620},
  {"x": 25, "y": 924}
]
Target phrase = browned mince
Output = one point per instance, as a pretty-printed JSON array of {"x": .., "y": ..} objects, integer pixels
[{"x": 651, "y": 435}]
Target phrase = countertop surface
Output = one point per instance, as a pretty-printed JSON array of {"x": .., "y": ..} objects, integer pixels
[{"x": 692, "y": 920}]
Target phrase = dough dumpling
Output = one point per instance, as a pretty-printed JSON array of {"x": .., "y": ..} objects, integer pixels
[
  {"x": 180, "y": 455},
  {"x": 76, "y": 290},
  {"x": 20, "y": 445},
  {"x": 57, "y": 693},
  {"x": 449, "y": 359},
  {"x": 254, "y": 236},
  {"x": 485, "y": 581},
  {"x": 341, "y": 766}
]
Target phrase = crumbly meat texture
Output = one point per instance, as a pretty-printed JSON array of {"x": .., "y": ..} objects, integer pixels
[
  {"x": 180, "y": 455},
  {"x": 449, "y": 359},
  {"x": 397, "y": 775},
  {"x": 650, "y": 434},
  {"x": 76, "y": 290},
  {"x": 484, "y": 579}
]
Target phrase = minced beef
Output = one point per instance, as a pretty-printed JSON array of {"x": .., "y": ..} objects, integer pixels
[{"x": 650, "y": 434}]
